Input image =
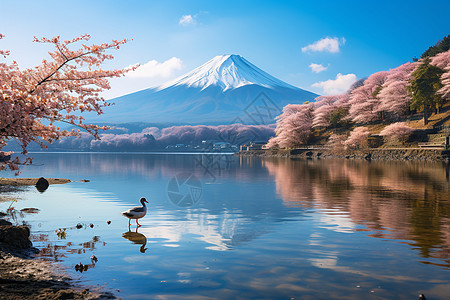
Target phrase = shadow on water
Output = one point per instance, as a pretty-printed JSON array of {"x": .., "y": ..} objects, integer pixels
[{"x": 136, "y": 238}]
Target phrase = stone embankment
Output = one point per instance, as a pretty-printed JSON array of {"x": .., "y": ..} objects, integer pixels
[{"x": 370, "y": 153}]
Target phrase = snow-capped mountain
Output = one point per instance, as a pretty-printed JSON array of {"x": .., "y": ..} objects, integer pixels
[
  {"x": 227, "y": 72},
  {"x": 226, "y": 89}
]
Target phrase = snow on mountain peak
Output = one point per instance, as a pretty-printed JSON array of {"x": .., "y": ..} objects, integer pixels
[{"x": 227, "y": 72}]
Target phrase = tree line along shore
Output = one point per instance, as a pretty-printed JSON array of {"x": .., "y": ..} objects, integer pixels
[
  {"x": 405, "y": 107},
  {"x": 420, "y": 142}
]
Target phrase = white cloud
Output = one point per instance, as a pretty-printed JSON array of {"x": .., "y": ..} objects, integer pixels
[
  {"x": 317, "y": 68},
  {"x": 153, "y": 69},
  {"x": 337, "y": 86},
  {"x": 327, "y": 44},
  {"x": 186, "y": 20}
]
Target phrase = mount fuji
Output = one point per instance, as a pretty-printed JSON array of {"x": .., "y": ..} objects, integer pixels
[{"x": 227, "y": 89}]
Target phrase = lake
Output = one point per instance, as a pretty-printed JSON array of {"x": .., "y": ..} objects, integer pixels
[{"x": 227, "y": 227}]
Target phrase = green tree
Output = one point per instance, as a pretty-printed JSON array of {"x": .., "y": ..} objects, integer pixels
[
  {"x": 424, "y": 84},
  {"x": 337, "y": 118}
]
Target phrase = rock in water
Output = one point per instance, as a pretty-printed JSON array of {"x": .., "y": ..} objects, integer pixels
[{"x": 42, "y": 184}]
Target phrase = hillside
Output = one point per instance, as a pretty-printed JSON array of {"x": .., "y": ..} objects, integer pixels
[{"x": 405, "y": 107}]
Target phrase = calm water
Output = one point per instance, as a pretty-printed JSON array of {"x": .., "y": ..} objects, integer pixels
[{"x": 238, "y": 228}]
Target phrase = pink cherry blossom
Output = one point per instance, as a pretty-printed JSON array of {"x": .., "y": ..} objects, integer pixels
[
  {"x": 33, "y": 101},
  {"x": 293, "y": 126},
  {"x": 357, "y": 138},
  {"x": 399, "y": 131}
]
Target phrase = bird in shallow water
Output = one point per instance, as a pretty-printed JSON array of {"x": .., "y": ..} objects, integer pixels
[{"x": 136, "y": 212}]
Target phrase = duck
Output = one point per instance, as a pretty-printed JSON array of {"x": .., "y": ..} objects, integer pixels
[{"x": 136, "y": 212}]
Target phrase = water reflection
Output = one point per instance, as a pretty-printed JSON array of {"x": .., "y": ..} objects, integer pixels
[
  {"x": 136, "y": 238},
  {"x": 392, "y": 200},
  {"x": 55, "y": 250},
  {"x": 301, "y": 229}
]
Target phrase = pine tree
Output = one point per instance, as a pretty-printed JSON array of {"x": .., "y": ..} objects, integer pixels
[
  {"x": 424, "y": 85},
  {"x": 441, "y": 46}
]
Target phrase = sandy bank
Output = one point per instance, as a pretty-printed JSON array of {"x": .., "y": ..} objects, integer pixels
[{"x": 22, "y": 277}]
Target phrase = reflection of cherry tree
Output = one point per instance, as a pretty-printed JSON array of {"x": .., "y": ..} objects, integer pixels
[{"x": 401, "y": 201}]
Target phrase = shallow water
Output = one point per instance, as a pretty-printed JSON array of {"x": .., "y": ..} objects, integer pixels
[{"x": 244, "y": 228}]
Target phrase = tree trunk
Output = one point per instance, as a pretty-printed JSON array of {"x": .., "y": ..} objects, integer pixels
[{"x": 425, "y": 115}]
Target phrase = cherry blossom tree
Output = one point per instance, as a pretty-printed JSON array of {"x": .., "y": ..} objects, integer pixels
[
  {"x": 33, "y": 101},
  {"x": 442, "y": 60},
  {"x": 342, "y": 101},
  {"x": 323, "y": 107},
  {"x": 336, "y": 142},
  {"x": 397, "y": 131},
  {"x": 330, "y": 110},
  {"x": 357, "y": 138},
  {"x": 394, "y": 96},
  {"x": 445, "y": 81},
  {"x": 364, "y": 101},
  {"x": 293, "y": 126}
]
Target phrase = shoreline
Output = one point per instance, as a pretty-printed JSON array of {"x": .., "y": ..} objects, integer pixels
[
  {"x": 22, "y": 275},
  {"x": 30, "y": 181},
  {"x": 388, "y": 154}
]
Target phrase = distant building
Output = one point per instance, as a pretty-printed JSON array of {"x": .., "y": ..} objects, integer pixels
[
  {"x": 257, "y": 145},
  {"x": 222, "y": 145}
]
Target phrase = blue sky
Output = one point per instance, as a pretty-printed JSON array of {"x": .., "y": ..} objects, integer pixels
[{"x": 173, "y": 37}]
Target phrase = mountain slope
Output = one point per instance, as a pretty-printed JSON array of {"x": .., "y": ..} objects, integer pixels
[{"x": 222, "y": 91}]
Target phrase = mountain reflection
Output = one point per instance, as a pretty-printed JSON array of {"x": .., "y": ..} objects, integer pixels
[{"x": 393, "y": 200}]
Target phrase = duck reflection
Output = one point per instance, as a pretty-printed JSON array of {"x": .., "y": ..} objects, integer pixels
[{"x": 136, "y": 238}]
